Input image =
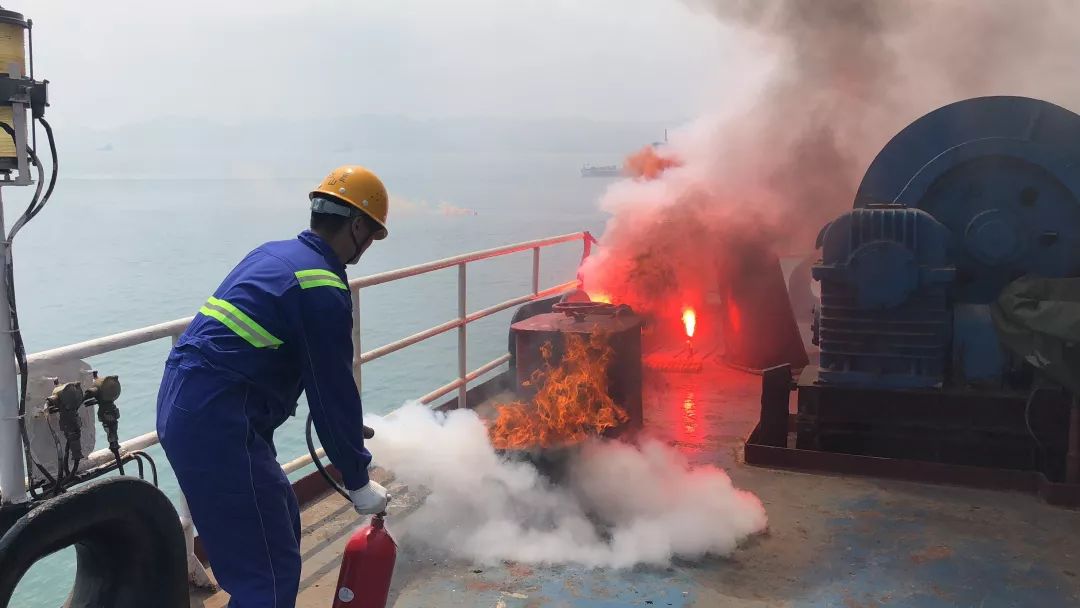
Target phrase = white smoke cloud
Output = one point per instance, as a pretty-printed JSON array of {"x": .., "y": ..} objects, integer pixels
[
  {"x": 846, "y": 75},
  {"x": 619, "y": 505}
]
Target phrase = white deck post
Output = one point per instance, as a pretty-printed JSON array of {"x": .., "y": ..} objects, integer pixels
[
  {"x": 197, "y": 575},
  {"x": 12, "y": 471}
]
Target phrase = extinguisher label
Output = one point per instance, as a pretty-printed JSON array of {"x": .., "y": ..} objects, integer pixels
[{"x": 345, "y": 594}]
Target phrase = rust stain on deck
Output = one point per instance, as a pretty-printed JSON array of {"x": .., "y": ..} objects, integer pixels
[{"x": 932, "y": 554}]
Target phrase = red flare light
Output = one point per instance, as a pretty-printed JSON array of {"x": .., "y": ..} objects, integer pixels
[
  {"x": 689, "y": 319},
  {"x": 734, "y": 317}
]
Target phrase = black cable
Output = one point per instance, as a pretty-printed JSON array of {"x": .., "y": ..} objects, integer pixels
[
  {"x": 69, "y": 471},
  {"x": 153, "y": 468},
  {"x": 34, "y": 493},
  {"x": 30, "y": 460},
  {"x": 104, "y": 469},
  {"x": 9, "y": 266},
  {"x": 16, "y": 335},
  {"x": 75, "y": 467},
  {"x": 318, "y": 464},
  {"x": 65, "y": 471},
  {"x": 61, "y": 473},
  {"x": 59, "y": 453},
  {"x": 70, "y": 474},
  {"x": 119, "y": 461},
  {"x": 153, "y": 465},
  {"x": 34, "y": 206},
  {"x": 139, "y": 462},
  {"x": 30, "y": 471},
  {"x": 55, "y": 166}
]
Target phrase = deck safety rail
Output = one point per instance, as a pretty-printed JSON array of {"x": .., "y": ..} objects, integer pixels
[{"x": 173, "y": 329}]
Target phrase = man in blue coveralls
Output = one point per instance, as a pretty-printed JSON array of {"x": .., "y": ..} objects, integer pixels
[{"x": 279, "y": 324}]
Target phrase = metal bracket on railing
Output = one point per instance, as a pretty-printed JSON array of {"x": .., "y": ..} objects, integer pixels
[{"x": 587, "y": 242}]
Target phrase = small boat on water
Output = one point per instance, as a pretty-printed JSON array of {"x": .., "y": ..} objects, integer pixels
[{"x": 600, "y": 171}]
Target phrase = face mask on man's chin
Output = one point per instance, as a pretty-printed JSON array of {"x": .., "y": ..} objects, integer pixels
[
  {"x": 361, "y": 246},
  {"x": 356, "y": 258}
]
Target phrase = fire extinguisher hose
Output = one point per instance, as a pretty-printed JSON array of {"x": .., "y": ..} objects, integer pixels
[{"x": 333, "y": 483}]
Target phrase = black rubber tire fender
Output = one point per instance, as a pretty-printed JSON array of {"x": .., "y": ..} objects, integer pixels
[{"x": 128, "y": 540}]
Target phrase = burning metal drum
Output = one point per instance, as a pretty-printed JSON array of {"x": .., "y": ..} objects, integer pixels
[
  {"x": 553, "y": 464},
  {"x": 610, "y": 336}
]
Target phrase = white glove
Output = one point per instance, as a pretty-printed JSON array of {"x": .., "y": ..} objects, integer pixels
[{"x": 370, "y": 499}]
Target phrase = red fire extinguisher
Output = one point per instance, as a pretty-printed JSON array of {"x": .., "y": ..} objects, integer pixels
[{"x": 366, "y": 567}]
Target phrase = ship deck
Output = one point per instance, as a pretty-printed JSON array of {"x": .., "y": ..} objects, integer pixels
[{"x": 831, "y": 541}]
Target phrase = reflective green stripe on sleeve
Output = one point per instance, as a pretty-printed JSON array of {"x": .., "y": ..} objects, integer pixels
[
  {"x": 316, "y": 272},
  {"x": 319, "y": 278},
  {"x": 308, "y": 284},
  {"x": 240, "y": 324}
]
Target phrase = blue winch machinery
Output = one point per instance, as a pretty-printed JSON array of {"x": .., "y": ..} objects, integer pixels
[{"x": 912, "y": 379}]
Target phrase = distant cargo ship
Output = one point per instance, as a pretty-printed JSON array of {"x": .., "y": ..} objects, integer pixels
[{"x": 604, "y": 171}]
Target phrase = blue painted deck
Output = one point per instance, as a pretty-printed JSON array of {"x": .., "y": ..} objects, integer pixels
[{"x": 832, "y": 541}]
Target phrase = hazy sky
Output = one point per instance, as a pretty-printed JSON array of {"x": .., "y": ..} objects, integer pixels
[{"x": 123, "y": 61}]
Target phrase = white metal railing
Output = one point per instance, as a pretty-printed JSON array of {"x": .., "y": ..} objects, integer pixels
[{"x": 173, "y": 329}]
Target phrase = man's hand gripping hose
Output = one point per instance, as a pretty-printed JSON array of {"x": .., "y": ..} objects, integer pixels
[{"x": 370, "y": 499}]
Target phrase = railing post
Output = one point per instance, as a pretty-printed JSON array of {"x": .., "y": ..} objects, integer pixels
[
  {"x": 197, "y": 575},
  {"x": 536, "y": 271},
  {"x": 462, "y": 337},
  {"x": 357, "y": 373},
  {"x": 587, "y": 241}
]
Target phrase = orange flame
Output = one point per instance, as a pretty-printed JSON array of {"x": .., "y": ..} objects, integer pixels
[
  {"x": 572, "y": 402},
  {"x": 648, "y": 164},
  {"x": 689, "y": 320},
  {"x": 600, "y": 297}
]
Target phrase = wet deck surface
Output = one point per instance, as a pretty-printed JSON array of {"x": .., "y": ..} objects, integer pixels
[{"x": 832, "y": 541}]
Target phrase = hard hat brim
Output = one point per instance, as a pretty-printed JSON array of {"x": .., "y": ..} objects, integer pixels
[{"x": 380, "y": 235}]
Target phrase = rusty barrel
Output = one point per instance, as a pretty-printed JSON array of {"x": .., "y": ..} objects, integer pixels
[{"x": 622, "y": 330}]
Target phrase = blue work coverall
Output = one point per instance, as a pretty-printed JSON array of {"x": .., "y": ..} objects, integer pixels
[{"x": 279, "y": 324}]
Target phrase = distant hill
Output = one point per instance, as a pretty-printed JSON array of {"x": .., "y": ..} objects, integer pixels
[{"x": 180, "y": 147}]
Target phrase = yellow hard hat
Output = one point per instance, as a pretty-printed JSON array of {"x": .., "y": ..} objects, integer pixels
[{"x": 359, "y": 188}]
